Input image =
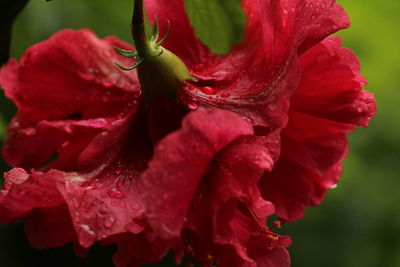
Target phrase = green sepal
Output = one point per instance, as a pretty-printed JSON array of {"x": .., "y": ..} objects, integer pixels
[
  {"x": 126, "y": 53},
  {"x": 166, "y": 35},
  {"x": 156, "y": 31},
  {"x": 137, "y": 63}
]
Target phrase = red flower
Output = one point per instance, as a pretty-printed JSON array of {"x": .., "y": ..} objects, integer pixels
[{"x": 129, "y": 174}]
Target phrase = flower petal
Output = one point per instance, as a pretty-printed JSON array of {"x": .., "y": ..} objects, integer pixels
[
  {"x": 50, "y": 227},
  {"x": 180, "y": 160},
  {"x": 256, "y": 79},
  {"x": 107, "y": 201},
  {"x": 102, "y": 202},
  {"x": 331, "y": 85},
  {"x": 328, "y": 104},
  {"x": 135, "y": 250},
  {"x": 253, "y": 248},
  {"x": 227, "y": 218},
  {"x": 23, "y": 192},
  {"x": 66, "y": 88}
]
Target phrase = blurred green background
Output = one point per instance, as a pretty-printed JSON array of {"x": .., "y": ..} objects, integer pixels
[{"x": 359, "y": 222}]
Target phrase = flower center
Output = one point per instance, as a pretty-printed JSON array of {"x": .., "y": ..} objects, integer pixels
[{"x": 160, "y": 71}]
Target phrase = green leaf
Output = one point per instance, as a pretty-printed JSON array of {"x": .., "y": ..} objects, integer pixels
[{"x": 217, "y": 23}]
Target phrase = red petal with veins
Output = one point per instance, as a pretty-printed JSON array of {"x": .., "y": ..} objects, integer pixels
[
  {"x": 23, "y": 192},
  {"x": 253, "y": 250},
  {"x": 66, "y": 89},
  {"x": 257, "y": 78},
  {"x": 179, "y": 162},
  {"x": 210, "y": 184},
  {"x": 328, "y": 104},
  {"x": 228, "y": 215},
  {"x": 331, "y": 86},
  {"x": 102, "y": 202}
]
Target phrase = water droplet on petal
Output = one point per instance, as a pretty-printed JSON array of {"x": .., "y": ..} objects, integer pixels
[
  {"x": 107, "y": 83},
  {"x": 109, "y": 222},
  {"x": 136, "y": 205},
  {"x": 118, "y": 171},
  {"x": 208, "y": 90},
  {"x": 7, "y": 186},
  {"x": 75, "y": 203},
  {"x": 114, "y": 193},
  {"x": 225, "y": 95},
  {"x": 323, "y": 57},
  {"x": 120, "y": 183},
  {"x": 193, "y": 105},
  {"x": 87, "y": 229},
  {"x": 30, "y": 131}
]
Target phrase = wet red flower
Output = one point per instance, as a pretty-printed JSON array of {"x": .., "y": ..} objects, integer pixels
[{"x": 261, "y": 131}]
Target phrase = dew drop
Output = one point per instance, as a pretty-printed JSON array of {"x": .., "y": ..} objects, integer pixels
[
  {"x": 109, "y": 222},
  {"x": 113, "y": 193},
  {"x": 323, "y": 57},
  {"x": 208, "y": 90},
  {"x": 87, "y": 229},
  {"x": 7, "y": 186},
  {"x": 120, "y": 183},
  {"x": 107, "y": 83},
  {"x": 75, "y": 203},
  {"x": 30, "y": 131},
  {"x": 136, "y": 205},
  {"x": 193, "y": 105},
  {"x": 225, "y": 95}
]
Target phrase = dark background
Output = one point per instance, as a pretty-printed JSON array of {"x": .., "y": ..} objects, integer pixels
[{"x": 359, "y": 222}]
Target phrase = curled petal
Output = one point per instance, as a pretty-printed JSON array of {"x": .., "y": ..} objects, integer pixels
[
  {"x": 259, "y": 76},
  {"x": 66, "y": 88},
  {"x": 170, "y": 181},
  {"x": 328, "y": 104},
  {"x": 23, "y": 192},
  {"x": 331, "y": 86}
]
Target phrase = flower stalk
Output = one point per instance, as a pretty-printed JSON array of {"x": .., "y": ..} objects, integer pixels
[
  {"x": 160, "y": 71},
  {"x": 143, "y": 46}
]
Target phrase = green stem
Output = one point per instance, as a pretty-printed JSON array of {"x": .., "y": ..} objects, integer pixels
[{"x": 142, "y": 45}]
